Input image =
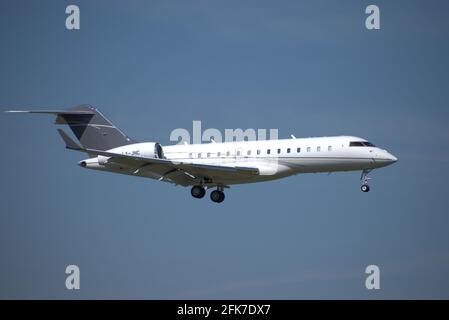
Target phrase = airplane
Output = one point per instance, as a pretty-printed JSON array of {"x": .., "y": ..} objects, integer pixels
[{"x": 212, "y": 165}]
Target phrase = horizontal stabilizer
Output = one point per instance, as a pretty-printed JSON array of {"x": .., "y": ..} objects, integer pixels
[
  {"x": 56, "y": 112},
  {"x": 69, "y": 143}
]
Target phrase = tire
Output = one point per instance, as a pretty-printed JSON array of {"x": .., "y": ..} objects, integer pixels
[
  {"x": 217, "y": 196},
  {"x": 197, "y": 192},
  {"x": 364, "y": 188}
]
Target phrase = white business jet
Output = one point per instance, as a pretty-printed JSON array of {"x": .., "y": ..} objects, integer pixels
[{"x": 213, "y": 165}]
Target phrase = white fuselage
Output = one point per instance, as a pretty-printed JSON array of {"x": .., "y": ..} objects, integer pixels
[{"x": 274, "y": 158}]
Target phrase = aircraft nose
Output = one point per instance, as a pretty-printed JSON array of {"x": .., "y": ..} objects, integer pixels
[
  {"x": 392, "y": 158},
  {"x": 385, "y": 158}
]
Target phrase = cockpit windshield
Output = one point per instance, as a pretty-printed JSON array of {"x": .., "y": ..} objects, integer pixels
[{"x": 361, "y": 144}]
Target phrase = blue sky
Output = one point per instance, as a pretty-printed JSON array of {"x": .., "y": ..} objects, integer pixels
[{"x": 308, "y": 68}]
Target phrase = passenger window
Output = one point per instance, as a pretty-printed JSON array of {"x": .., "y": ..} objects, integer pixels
[
  {"x": 298, "y": 150},
  {"x": 308, "y": 149},
  {"x": 190, "y": 155},
  {"x": 238, "y": 153},
  {"x": 218, "y": 154},
  {"x": 318, "y": 149},
  {"x": 208, "y": 154},
  {"x": 288, "y": 150},
  {"x": 279, "y": 151},
  {"x": 199, "y": 155},
  {"x": 228, "y": 153},
  {"x": 258, "y": 151},
  {"x": 329, "y": 148},
  {"x": 249, "y": 152},
  {"x": 268, "y": 151}
]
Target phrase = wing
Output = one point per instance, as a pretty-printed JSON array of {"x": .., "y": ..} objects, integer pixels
[
  {"x": 182, "y": 172},
  {"x": 178, "y": 172}
]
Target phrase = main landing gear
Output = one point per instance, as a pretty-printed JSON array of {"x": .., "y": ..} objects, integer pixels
[
  {"x": 365, "y": 179},
  {"x": 216, "y": 195},
  {"x": 198, "y": 192}
]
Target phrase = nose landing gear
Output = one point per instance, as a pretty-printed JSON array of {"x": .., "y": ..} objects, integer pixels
[
  {"x": 364, "y": 188},
  {"x": 365, "y": 179}
]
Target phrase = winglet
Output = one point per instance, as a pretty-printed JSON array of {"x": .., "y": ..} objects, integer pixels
[{"x": 69, "y": 143}]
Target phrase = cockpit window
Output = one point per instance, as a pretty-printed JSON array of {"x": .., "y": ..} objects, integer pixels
[{"x": 361, "y": 144}]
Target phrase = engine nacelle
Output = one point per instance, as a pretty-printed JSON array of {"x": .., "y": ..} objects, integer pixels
[
  {"x": 102, "y": 160},
  {"x": 145, "y": 150}
]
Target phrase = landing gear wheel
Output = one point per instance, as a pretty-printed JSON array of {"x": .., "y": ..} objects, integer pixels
[
  {"x": 364, "y": 188},
  {"x": 198, "y": 192},
  {"x": 365, "y": 179},
  {"x": 217, "y": 196}
]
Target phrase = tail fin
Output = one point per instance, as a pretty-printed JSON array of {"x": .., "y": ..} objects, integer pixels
[{"x": 93, "y": 130}]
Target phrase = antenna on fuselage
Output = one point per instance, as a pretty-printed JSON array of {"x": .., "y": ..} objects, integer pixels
[{"x": 293, "y": 137}]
